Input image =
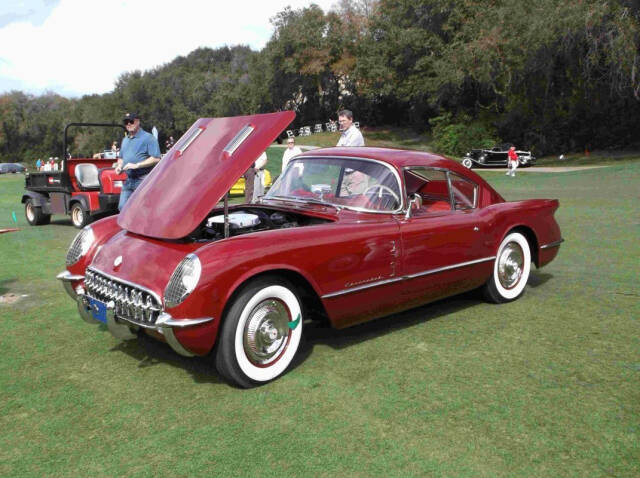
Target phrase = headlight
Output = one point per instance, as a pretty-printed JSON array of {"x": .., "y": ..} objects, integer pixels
[
  {"x": 80, "y": 245},
  {"x": 183, "y": 280}
]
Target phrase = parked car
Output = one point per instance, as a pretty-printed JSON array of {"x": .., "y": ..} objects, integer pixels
[
  {"x": 344, "y": 234},
  {"x": 238, "y": 187},
  {"x": 6, "y": 168},
  {"x": 84, "y": 188},
  {"x": 496, "y": 156}
]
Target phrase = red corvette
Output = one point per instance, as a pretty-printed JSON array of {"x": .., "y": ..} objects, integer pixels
[{"x": 346, "y": 234}]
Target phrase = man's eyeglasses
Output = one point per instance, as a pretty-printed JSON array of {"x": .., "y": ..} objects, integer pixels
[{"x": 128, "y": 121}]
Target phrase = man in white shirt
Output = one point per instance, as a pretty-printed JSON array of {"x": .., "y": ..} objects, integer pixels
[
  {"x": 258, "y": 180},
  {"x": 350, "y": 135},
  {"x": 291, "y": 151}
]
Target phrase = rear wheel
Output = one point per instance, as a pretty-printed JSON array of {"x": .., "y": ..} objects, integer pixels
[
  {"x": 261, "y": 333},
  {"x": 510, "y": 270},
  {"x": 34, "y": 214},
  {"x": 79, "y": 217}
]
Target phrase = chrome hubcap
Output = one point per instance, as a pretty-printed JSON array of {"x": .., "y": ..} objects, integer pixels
[
  {"x": 510, "y": 265},
  {"x": 77, "y": 216},
  {"x": 266, "y": 331}
]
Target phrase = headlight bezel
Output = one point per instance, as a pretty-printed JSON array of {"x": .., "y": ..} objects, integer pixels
[
  {"x": 183, "y": 281},
  {"x": 80, "y": 245}
]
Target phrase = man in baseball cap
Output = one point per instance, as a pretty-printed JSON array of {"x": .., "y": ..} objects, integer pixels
[{"x": 138, "y": 154}]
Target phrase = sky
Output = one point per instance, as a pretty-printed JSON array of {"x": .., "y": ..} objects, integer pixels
[{"x": 80, "y": 47}]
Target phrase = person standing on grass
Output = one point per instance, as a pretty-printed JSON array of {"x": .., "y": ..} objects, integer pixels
[
  {"x": 139, "y": 152},
  {"x": 350, "y": 135},
  {"x": 513, "y": 162},
  {"x": 291, "y": 151}
]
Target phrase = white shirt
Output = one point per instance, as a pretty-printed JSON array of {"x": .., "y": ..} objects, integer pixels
[
  {"x": 351, "y": 137},
  {"x": 288, "y": 154},
  {"x": 261, "y": 162}
]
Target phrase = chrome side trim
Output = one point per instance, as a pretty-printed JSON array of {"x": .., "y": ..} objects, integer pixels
[
  {"x": 447, "y": 268},
  {"x": 363, "y": 287},
  {"x": 552, "y": 244},
  {"x": 407, "y": 277},
  {"x": 165, "y": 320}
]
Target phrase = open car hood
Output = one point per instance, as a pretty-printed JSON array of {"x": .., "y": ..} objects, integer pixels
[{"x": 195, "y": 175}]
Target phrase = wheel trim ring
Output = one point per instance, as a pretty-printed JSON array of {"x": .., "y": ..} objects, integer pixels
[
  {"x": 77, "y": 215},
  {"x": 31, "y": 215},
  {"x": 274, "y": 369},
  {"x": 511, "y": 265},
  {"x": 250, "y": 324}
]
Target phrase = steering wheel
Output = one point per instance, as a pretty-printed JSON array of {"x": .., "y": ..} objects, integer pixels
[{"x": 382, "y": 187}]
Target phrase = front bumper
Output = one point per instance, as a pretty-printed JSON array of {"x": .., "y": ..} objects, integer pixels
[{"x": 120, "y": 326}]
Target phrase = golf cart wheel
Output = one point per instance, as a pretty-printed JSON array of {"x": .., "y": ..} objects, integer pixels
[
  {"x": 34, "y": 214},
  {"x": 79, "y": 217}
]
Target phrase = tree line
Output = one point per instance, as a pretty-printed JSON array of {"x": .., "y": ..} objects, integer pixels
[{"x": 546, "y": 75}]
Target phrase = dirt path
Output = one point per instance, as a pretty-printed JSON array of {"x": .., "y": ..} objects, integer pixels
[{"x": 543, "y": 169}]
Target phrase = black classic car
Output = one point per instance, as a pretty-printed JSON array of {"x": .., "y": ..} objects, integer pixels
[
  {"x": 6, "y": 168},
  {"x": 496, "y": 156}
]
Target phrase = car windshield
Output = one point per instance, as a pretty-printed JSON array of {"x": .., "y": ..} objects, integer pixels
[{"x": 352, "y": 183}]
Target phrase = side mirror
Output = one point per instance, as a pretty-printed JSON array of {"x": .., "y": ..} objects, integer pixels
[{"x": 415, "y": 202}]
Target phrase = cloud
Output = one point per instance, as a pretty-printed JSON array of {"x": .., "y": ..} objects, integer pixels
[{"x": 83, "y": 46}]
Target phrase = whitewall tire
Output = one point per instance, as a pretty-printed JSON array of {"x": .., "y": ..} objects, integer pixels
[
  {"x": 510, "y": 270},
  {"x": 260, "y": 334}
]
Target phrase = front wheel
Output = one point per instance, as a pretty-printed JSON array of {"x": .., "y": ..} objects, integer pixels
[
  {"x": 467, "y": 163},
  {"x": 510, "y": 270},
  {"x": 34, "y": 214},
  {"x": 79, "y": 217},
  {"x": 261, "y": 333}
]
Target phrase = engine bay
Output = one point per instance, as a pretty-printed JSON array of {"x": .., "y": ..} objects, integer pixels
[{"x": 249, "y": 219}]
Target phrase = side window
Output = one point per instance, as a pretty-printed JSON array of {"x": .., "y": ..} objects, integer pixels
[
  {"x": 465, "y": 193},
  {"x": 432, "y": 186}
]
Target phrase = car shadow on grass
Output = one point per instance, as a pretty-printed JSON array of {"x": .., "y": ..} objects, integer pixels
[{"x": 149, "y": 351}]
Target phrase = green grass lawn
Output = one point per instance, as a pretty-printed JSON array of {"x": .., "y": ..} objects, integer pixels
[{"x": 548, "y": 385}]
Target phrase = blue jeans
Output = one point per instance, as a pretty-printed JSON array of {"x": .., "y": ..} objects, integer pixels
[{"x": 128, "y": 187}]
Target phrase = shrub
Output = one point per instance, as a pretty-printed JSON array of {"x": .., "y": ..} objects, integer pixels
[{"x": 456, "y": 136}]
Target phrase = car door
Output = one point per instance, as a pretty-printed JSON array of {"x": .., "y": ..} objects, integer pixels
[{"x": 443, "y": 251}]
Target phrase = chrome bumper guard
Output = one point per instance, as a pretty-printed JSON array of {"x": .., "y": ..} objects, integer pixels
[{"x": 122, "y": 327}]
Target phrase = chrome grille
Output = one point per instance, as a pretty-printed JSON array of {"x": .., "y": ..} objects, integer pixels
[{"x": 132, "y": 303}]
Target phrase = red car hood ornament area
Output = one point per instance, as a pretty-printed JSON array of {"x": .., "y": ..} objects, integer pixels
[{"x": 195, "y": 175}]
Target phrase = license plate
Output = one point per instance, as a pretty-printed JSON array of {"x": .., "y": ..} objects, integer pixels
[
  {"x": 98, "y": 310},
  {"x": 117, "y": 184}
]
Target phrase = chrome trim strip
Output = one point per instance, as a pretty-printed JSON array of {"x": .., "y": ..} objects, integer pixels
[
  {"x": 363, "y": 287},
  {"x": 238, "y": 139},
  {"x": 447, "y": 268},
  {"x": 165, "y": 320},
  {"x": 68, "y": 276},
  {"x": 407, "y": 277},
  {"x": 176, "y": 345},
  {"x": 132, "y": 284},
  {"x": 552, "y": 244}
]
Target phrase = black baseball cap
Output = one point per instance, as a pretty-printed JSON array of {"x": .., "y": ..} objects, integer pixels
[{"x": 130, "y": 116}]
